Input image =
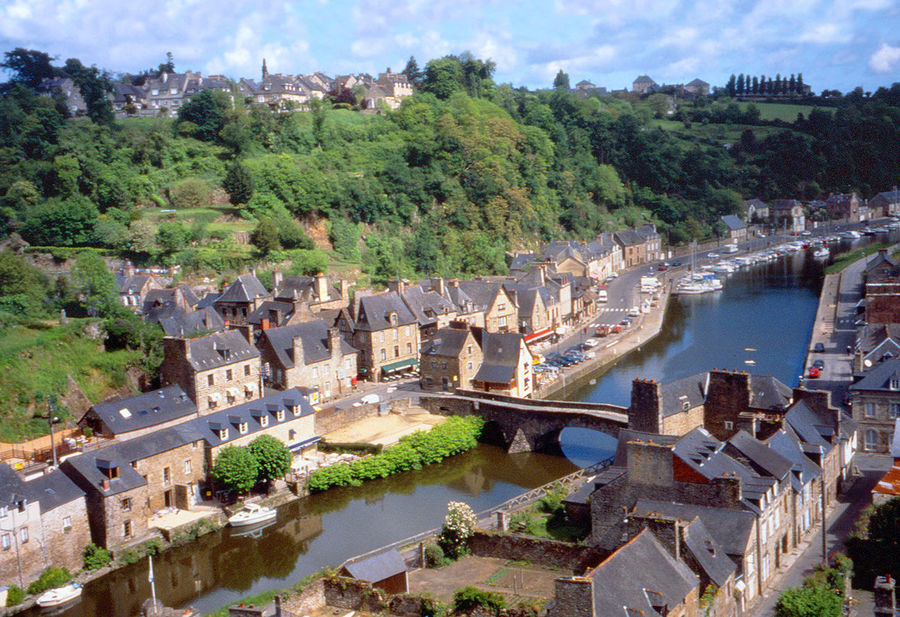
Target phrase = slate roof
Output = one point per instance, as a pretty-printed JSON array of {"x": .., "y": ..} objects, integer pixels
[
  {"x": 644, "y": 79},
  {"x": 178, "y": 322},
  {"x": 766, "y": 392},
  {"x": 426, "y": 305},
  {"x": 377, "y": 567},
  {"x": 879, "y": 378},
  {"x": 134, "y": 283},
  {"x": 698, "y": 82},
  {"x": 521, "y": 261},
  {"x": 629, "y": 237},
  {"x": 891, "y": 197},
  {"x": 157, "y": 298},
  {"x": 761, "y": 458},
  {"x": 637, "y": 572},
  {"x": 374, "y": 312},
  {"x": 301, "y": 288},
  {"x": 144, "y": 410},
  {"x": 482, "y": 293},
  {"x": 246, "y": 288},
  {"x": 756, "y": 203},
  {"x": 786, "y": 443},
  {"x": 730, "y": 528},
  {"x": 282, "y": 311},
  {"x": 883, "y": 339},
  {"x": 784, "y": 204},
  {"x": 313, "y": 337},
  {"x": 733, "y": 223},
  {"x": 501, "y": 356},
  {"x": 709, "y": 553},
  {"x": 220, "y": 349},
  {"x": 447, "y": 343},
  {"x": 53, "y": 490},
  {"x": 691, "y": 390}
]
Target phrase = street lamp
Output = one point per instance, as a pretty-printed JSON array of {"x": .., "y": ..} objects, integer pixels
[{"x": 51, "y": 418}]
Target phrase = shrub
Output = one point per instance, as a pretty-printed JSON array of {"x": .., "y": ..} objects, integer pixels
[
  {"x": 14, "y": 595},
  {"x": 50, "y": 578},
  {"x": 129, "y": 556},
  {"x": 469, "y": 598},
  {"x": 152, "y": 546},
  {"x": 815, "y": 601},
  {"x": 459, "y": 525},
  {"x": 191, "y": 193},
  {"x": 434, "y": 556},
  {"x": 95, "y": 557}
]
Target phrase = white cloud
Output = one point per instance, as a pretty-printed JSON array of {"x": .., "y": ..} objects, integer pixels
[{"x": 885, "y": 59}]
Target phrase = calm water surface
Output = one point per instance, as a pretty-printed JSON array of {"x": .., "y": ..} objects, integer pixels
[{"x": 764, "y": 316}]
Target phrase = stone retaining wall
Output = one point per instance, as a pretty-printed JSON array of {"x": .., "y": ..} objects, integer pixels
[{"x": 539, "y": 551}]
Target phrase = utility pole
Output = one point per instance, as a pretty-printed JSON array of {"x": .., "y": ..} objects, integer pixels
[
  {"x": 824, "y": 525},
  {"x": 51, "y": 409}
]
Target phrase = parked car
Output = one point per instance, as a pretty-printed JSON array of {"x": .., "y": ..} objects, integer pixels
[
  {"x": 814, "y": 373},
  {"x": 819, "y": 364},
  {"x": 819, "y": 348}
]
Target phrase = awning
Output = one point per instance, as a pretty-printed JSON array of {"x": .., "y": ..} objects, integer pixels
[
  {"x": 396, "y": 366},
  {"x": 536, "y": 336},
  {"x": 232, "y": 392},
  {"x": 250, "y": 387},
  {"x": 296, "y": 447},
  {"x": 215, "y": 396}
]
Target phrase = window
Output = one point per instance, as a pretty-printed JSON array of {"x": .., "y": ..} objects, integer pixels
[
  {"x": 126, "y": 504},
  {"x": 895, "y": 383},
  {"x": 406, "y": 331},
  {"x": 126, "y": 529},
  {"x": 315, "y": 373},
  {"x": 167, "y": 476},
  {"x": 246, "y": 370},
  {"x": 433, "y": 364},
  {"x": 228, "y": 375},
  {"x": 67, "y": 523},
  {"x": 5, "y": 541},
  {"x": 264, "y": 420},
  {"x": 469, "y": 366},
  {"x": 280, "y": 414},
  {"x": 347, "y": 364},
  {"x": 729, "y": 425},
  {"x": 223, "y": 433},
  {"x": 444, "y": 365},
  {"x": 3, "y": 511},
  {"x": 750, "y": 567},
  {"x": 210, "y": 380},
  {"x": 895, "y": 410},
  {"x": 187, "y": 466},
  {"x": 383, "y": 355},
  {"x": 871, "y": 439},
  {"x": 242, "y": 427},
  {"x": 396, "y": 351},
  {"x": 23, "y": 535},
  {"x": 409, "y": 348},
  {"x": 469, "y": 350},
  {"x": 763, "y": 525},
  {"x": 382, "y": 336},
  {"x": 870, "y": 410}
]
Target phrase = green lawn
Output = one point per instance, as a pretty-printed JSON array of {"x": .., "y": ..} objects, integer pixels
[
  {"x": 714, "y": 133},
  {"x": 787, "y": 112}
]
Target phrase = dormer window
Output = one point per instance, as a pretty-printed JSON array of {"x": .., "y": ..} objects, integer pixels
[
  {"x": 223, "y": 433},
  {"x": 894, "y": 383},
  {"x": 394, "y": 320},
  {"x": 280, "y": 415},
  {"x": 264, "y": 420},
  {"x": 242, "y": 427}
]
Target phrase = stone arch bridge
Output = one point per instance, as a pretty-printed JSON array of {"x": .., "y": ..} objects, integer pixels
[{"x": 529, "y": 425}]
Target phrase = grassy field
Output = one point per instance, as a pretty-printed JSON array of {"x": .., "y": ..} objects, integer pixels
[
  {"x": 714, "y": 133},
  {"x": 36, "y": 360},
  {"x": 786, "y": 112}
]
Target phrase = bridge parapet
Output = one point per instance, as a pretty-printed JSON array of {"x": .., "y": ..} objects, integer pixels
[{"x": 539, "y": 402}]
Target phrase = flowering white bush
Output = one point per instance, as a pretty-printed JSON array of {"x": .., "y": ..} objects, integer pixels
[{"x": 459, "y": 525}]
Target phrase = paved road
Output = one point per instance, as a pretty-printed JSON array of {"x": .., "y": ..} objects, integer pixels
[{"x": 840, "y": 523}]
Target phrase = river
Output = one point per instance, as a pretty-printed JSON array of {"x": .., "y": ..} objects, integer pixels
[{"x": 764, "y": 316}]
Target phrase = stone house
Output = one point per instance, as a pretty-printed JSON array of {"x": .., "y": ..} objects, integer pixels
[
  {"x": 287, "y": 416},
  {"x": 845, "y": 206},
  {"x": 311, "y": 355},
  {"x": 450, "y": 359},
  {"x": 240, "y": 299},
  {"x": 885, "y": 204},
  {"x": 875, "y": 343},
  {"x": 43, "y": 523},
  {"x": 875, "y": 401},
  {"x": 888, "y": 487},
  {"x": 385, "y": 332},
  {"x": 538, "y": 310},
  {"x": 737, "y": 230},
  {"x": 499, "y": 308},
  {"x": 506, "y": 367},
  {"x": 135, "y": 288},
  {"x": 135, "y": 416},
  {"x": 700, "y": 472},
  {"x": 697, "y": 87},
  {"x": 316, "y": 293},
  {"x": 605, "y": 257},
  {"x": 755, "y": 210},
  {"x": 644, "y": 85},
  {"x": 432, "y": 309},
  {"x": 788, "y": 214},
  {"x": 396, "y": 86},
  {"x": 640, "y": 245},
  {"x": 128, "y": 482},
  {"x": 639, "y": 578},
  {"x": 178, "y": 322},
  {"x": 167, "y": 92},
  {"x": 179, "y": 297},
  {"x": 75, "y": 103},
  {"x": 215, "y": 371}
]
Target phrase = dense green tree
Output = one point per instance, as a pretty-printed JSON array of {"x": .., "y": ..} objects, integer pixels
[
  {"x": 443, "y": 77},
  {"x": 96, "y": 283},
  {"x": 561, "y": 81},
  {"x": 171, "y": 236},
  {"x": 235, "y": 469},
  {"x": 273, "y": 458},
  {"x": 191, "y": 193},
  {"x": 238, "y": 183},
  {"x": 94, "y": 86},
  {"x": 812, "y": 601},
  {"x": 61, "y": 222},
  {"x": 412, "y": 72},
  {"x": 28, "y": 66},
  {"x": 23, "y": 283},
  {"x": 265, "y": 237},
  {"x": 207, "y": 112}
]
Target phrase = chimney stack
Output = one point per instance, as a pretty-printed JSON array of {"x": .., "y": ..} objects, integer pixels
[
  {"x": 322, "y": 287},
  {"x": 276, "y": 278}
]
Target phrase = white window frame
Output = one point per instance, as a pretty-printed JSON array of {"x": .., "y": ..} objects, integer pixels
[{"x": 869, "y": 409}]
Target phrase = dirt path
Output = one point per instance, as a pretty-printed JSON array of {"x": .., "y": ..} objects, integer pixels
[{"x": 385, "y": 430}]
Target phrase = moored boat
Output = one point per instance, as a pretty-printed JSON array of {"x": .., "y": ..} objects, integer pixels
[
  {"x": 252, "y": 514},
  {"x": 60, "y": 595}
]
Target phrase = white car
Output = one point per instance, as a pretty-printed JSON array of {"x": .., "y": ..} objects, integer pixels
[{"x": 370, "y": 399}]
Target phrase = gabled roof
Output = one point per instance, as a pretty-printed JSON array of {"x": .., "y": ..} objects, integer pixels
[
  {"x": 891, "y": 197},
  {"x": 698, "y": 82},
  {"x": 447, "y": 343},
  {"x": 220, "y": 349},
  {"x": 733, "y": 223},
  {"x": 709, "y": 553},
  {"x": 629, "y": 237},
  {"x": 426, "y": 305},
  {"x": 281, "y": 311},
  {"x": 767, "y": 392},
  {"x": 644, "y": 79},
  {"x": 880, "y": 377},
  {"x": 377, "y": 567},
  {"x": 730, "y": 528},
  {"x": 756, "y": 203},
  {"x": 501, "y": 357},
  {"x": 50, "y": 490},
  {"x": 178, "y": 322},
  {"x": 144, "y": 410},
  {"x": 313, "y": 336},
  {"x": 521, "y": 261},
  {"x": 638, "y": 576},
  {"x": 482, "y": 293},
  {"x": 786, "y": 443},
  {"x": 760, "y": 457},
  {"x": 689, "y": 391},
  {"x": 246, "y": 288},
  {"x": 374, "y": 312}
]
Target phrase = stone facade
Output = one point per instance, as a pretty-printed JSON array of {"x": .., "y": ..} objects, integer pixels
[
  {"x": 876, "y": 413},
  {"x": 230, "y": 378},
  {"x": 447, "y": 367}
]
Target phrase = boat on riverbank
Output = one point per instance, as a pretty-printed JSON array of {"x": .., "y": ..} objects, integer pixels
[
  {"x": 821, "y": 253},
  {"x": 60, "y": 596},
  {"x": 252, "y": 514}
]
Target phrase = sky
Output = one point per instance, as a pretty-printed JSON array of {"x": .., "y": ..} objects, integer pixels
[{"x": 835, "y": 44}]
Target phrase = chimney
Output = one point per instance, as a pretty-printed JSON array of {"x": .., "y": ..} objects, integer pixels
[
  {"x": 246, "y": 330},
  {"x": 885, "y": 601},
  {"x": 105, "y": 484},
  {"x": 177, "y": 348},
  {"x": 322, "y": 287},
  {"x": 646, "y": 412},
  {"x": 345, "y": 289},
  {"x": 398, "y": 285},
  {"x": 574, "y": 596},
  {"x": 297, "y": 350},
  {"x": 649, "y": 464},
  {"x": 276, "y": 278},
  {"x": 437, "y": 284},
  {"x": 728, "y": 488},
  {"x": 334, "y": 342},
  {"x": 542, "y": 273}
]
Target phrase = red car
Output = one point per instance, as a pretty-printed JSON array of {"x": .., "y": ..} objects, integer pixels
[{"x": 814, "y": 372}]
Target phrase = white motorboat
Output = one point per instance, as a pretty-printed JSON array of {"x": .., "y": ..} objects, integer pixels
[
  {"x": 60, "y": 595},
  {"x": 821, "y": 253},
  {"x": 252, "y": 514}
]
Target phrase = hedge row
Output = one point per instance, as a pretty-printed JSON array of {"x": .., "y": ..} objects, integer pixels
[{"x": 412, "y": 452}]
